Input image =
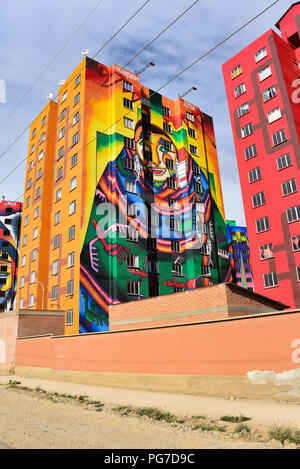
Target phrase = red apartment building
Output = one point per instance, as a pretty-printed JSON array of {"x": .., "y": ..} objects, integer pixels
[{"x": 263, "y": 91}]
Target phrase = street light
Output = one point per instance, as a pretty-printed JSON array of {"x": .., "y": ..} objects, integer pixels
[{"x": 43, "y": 288}]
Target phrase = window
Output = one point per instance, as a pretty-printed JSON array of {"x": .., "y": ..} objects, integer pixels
[
  {"x": 41, "y": 155},
  {"x": 43, "y": 136},
  {"x": 269, "y": 93},
  {"x": 198, "y": 187},
  {"x": 54, "y": 293},
  {"x": 28, "y": 201},
  {"x": 71, "y": 258},
  {"x": 32, "y": 149},
  {"x": 32, "y": 277},
  {"x": 33, "y": 254},
  {"x": 262, "y": 225},
  {"x": 296, "y": 243},
  {"x": 289, "y": 187},
  {"x": 168, "y": 145},
  {"x": 76, "y": 118},
  {"x": 133, "y": 261},
  {"x": 190, "y": 117},
  {"x": 145, "y": 101},
  {"x": 265, "y": 73},
  {"x": 77, "y": 99},
  {"x": 298, "y": 273},
  {"x": 21, "y": 303},
  {"x": 73, "y": 183},
  {"x": 129, "y": 164},
  {"x": 175, "y": 246},
  {"x": 132, "y": 234},
  {"x": 236, "y": 72},
  {"x": 258, "y": 199},
  {"x": 72, "y": 207},
  {"x": 38, "y": 193},
  {"x": 166, "y": 111},
  {"x": 261, "y": 54},
  {"x": 43, "y": 121},
  {"x": 254, "y": 175},
  {"x": 127, "y": 103},
  {"x": 243, "y": 109},
  {"x": 29, "y": 183},
  {"x": 75, "y": 139},
  {"x": 59, "y": 174},
  {"x": 74, "y": 160},
  {"x": 63, "y": 113},
  {"x": 70, "y": 287},
  {"x": 195, "y": 168},
  {"x": 247, "y": 130},
  {"x": 30, "y": 166},
  {"x": 62, "y": 132},
  {"x": 23, "y": 261},
  {"x": 241, "y": 89},
  {"x": 130, "y": 187},
  {"x": 271, "y": 280},
  {"x": 192, "y": 133},
  {"x": 127, "y": 86},
  {"x": 71, "y": 232},
  {"x": 133, "y": 288},
  {"x": 193, "y": 150},
  {"x": 284, "y": 161},
  {"x": 31, "y": 300},
  {"x": 36, "y": 212},
  {"x": 35, "y": 233},
  {"x": 266, "y": 251},
  {"x": 55, "y": 267},
  {"x": 64, "y": 96},
  {"x": 274, "y": 115},
  {"x": 56, "y": 242},
  {"x": 57, "y": 218},
  {"x": 129, "y": 143},
  {"x": 77, "y": 80},
  {"x": 33, "y": 133},
  {"x": 24, "y": 240},
  {"x": 293, "y": 214},
  {"x": 61, "y": 152},
  {"x": 26, "y": 220},
  {"x": 250, "y": 152},
  {"x": 129, "y": 123},
  {"x": 177, "y": 269},
  {"x": 58, "y": 195},
  {"x": 171, "y": 183},
  {"x": 69, "y": 319},
  {"x": 279, "y": 137},
  {"x": 22, "y": 282},
  {"x": 167, "y": 128},
  {"x": 39, "y": 174},
  {"x": 169, "y": 163},
  {"x": 205, "y": 270}
]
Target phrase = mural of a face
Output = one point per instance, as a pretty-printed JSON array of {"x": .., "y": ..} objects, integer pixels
[{"x": 160, "y": 141}]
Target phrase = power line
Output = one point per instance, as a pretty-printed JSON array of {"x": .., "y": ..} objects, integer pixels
[
  {"x": 107, "y": 42},
  {"x": 85, "y": 102},
  {"x": 172, "y": 79},
  {"x": 50, "y": 63}
]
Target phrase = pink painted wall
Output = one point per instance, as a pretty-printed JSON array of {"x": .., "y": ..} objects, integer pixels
[{"x": 218, "y": 348}]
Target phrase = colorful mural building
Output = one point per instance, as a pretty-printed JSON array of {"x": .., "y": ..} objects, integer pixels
[
  {"x": 240, "y": 255},
  {"x": 262, "y": 84},
  {"x": 10, "y": 227},
  {"x": 123, "y": 199}
]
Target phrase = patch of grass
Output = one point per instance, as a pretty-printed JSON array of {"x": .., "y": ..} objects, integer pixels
[
  {"x": 123, "y": 410},
  {"x": 208, "y": 427},
  {"x": 234, "y": 419},
  {"x": 282, "y": 434},
  {"x": 241, "y": 427},
  {"x": 155, "y": 414},
  {"x": 200, "y": 417}
]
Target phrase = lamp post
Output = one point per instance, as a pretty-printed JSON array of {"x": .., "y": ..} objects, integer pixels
[{"x": 43, "y": 288}]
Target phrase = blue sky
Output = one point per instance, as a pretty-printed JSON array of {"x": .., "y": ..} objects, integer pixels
[{"x": 32, "y": 33}]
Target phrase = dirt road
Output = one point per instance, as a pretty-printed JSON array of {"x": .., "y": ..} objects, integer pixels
[{"x": 30, "y": 421}]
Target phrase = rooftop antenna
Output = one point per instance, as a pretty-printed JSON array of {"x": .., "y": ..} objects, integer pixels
[
  {"x": 50, "y": 96},
  {"x": 187, "y": 92},
  {"x": 85, "y": 52},
  {"x": 139, "y": 72},
  {"x": 3, "y": 197}
]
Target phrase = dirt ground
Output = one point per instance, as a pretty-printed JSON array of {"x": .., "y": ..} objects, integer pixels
[{"x": 29, "y": 421}]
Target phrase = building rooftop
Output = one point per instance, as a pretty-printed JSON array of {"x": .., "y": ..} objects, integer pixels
[{"x": 279, "y": 21}]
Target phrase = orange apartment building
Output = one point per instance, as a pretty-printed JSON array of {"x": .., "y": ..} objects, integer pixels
[{"x": 104, "y": 121}]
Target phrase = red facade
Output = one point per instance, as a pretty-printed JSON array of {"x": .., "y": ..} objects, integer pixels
[{"x": 263, "y": 95}]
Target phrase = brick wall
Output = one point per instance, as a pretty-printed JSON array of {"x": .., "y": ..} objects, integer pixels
[{"x": 215, "y": 302}]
